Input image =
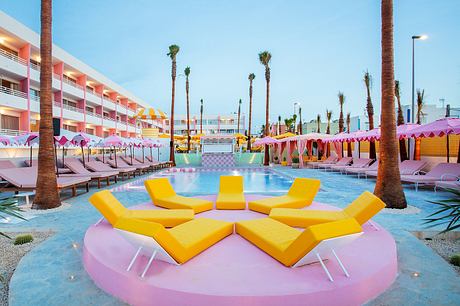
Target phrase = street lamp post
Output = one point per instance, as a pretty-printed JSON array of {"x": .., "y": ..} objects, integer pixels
[
  {"x": 415, "y": 37},
  {"x": 294, "y": 117}
]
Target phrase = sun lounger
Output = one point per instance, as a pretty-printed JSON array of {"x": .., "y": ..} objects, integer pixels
[
  {"x": 294, "y": 248},
  {"x": 301, "y": 194},
  {"x": 328, "y": 161},
  {"x": 96, "y": 165},
  {"x": 363, "y": 170},
  {"x": 407, "y": 167},
  {"x": 176, "y": 245},
  {"x": 447, "y": 185},
  {"x": 441, "y": 172},
  {"x": 25, "y": 179},
  {"x": 35, "y": 164},
  {"x": 163, "y": 195},
  {"x": 362, "y": 209},
  {"x": 120, "y": 164},
  {"x": 231, "y": 194},
  {"x": 357, "y": 163},
  {"x": 342, "y": 162},
  {"x": 153, "y": 165},
  {"x": 134, "y": 163},
  {"x": 77, "y": 167},
  {"x": 106, "y": 203},
  {"x": 7, "y": 164}
]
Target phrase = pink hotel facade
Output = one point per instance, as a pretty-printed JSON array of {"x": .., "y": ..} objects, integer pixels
[{"x": 84, "y": 99}]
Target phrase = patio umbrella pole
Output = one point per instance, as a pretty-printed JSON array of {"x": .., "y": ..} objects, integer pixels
[
  {"x": 30, "y": 158},
  {"x": 132, "y": 152},
  {"x": 89, "y": 152},
  {"x": 116, "y": 163},
  {"x": 143, "y": 155},
  {"x": 83, "y": 155},
  {"x": 63, "y": 154},
  {"x": 151, "y": 156},
  {"x": 55, "y": 159},
  {"x": 447, "y": 147},
  {"x": 103, "y": 159}
]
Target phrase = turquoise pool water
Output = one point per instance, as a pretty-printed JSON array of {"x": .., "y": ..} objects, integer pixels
[{"x": 207, "y": 181}]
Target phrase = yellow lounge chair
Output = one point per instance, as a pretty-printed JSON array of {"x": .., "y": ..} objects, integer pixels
[
  {"x": 294, "y": 248},
  {"x": 163, "y": 195},
  {"x": 113, "y": 210},
  {"x": 362, "y": 209},
  {"x": 176, "y": 245},
  {"x": 301, "y": 194},
  {"x": 231, "y": 194}
]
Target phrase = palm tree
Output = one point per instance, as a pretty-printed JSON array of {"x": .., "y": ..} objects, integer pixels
[
  {"x": 187, "y": 74},
  {"x": 173, "y": 50},
  {"x": 264, "y": 58},
  {"x": 300, "y": 121},
  {"x": 370, "y": 111},
  {"x": 46, "y": 195},
  {"x": 279, "y": 125},
  {"x": 418, "y": 141},
  {"x": 328, "y": 131},
  {"x": 349, "y": 153},
  {"x": 400, "y": 121},
  {"x": 201, "y": 116},
  {"x": 251, "y": 78},
  {"x": 388, "y": 186},
  {"x": 239, "y": 115},
  {"x": 341, "y": 102},
  {"x": 318, "y": 123}
]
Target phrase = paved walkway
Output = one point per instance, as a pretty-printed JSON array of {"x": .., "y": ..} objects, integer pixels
[{"x": 52, "y": 273}]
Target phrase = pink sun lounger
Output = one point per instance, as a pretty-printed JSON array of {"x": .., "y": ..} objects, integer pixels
[
  {"x": 441, "y": 172},
  {"x": 77, "y": 168},
  {"x": 407, "y": 167},
  {"x": 99, "y": 166},
  {"x": 342, "y": 162},
  {"x": 357, "y": 163},
  {"x": 331, "y": 160}
]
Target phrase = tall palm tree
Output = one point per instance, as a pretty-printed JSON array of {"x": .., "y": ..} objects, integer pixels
[
  {"x": 239, "y": 115},
  {"x": 279, "y": 125},
  {"x": 328, "y": 131},
  {"x": 46, "y": 195},
  {"x": 264, "y": 58},
  {"x": 201, "y": 116},
  {"x": 388, "y": 186},
  {"x": 300, "y": 121},
  {"x": 187, "y": 74},
  {"x": 418, "y": 141},
  {"x": 173, "y": 50},
  {"x": 318, "y": 123},
  {"x": 349, "y": 153},
  {"x": 400, "y": 121},
  {"x": 341, "y": 102},
  {"x": 370, "y": 111},
  {"x": 251, "y": 78}
]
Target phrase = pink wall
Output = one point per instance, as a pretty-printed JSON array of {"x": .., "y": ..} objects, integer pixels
[
  {"x": 59, "y": 69},
  {"x": 24, "y": 53}
]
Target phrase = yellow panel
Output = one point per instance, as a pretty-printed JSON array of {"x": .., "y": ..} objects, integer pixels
[
  {"x": 150, "y": 132},
  {"x": 437, "y": 146}
]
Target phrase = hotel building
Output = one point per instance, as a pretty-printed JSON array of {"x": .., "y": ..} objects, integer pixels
[
  {"x": 84, "y": 99},
  {"x": 212, "y": 124}
]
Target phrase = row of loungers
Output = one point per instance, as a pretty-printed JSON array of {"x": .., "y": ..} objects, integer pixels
[
  {"x": 174, "y": 236},
  {"x": 76, "y": 174},
  {"x": 443, "y": 175}
]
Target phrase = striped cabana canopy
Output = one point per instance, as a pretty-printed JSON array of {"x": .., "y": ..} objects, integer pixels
[{"x": 149, "y": 113}]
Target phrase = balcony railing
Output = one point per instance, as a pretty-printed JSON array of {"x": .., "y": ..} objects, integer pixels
[
  {"x": 94, "y": 114},
  {"x": 108, "y": 118},
  {"x": 71, "y": 83},
  {"x": 56, "y": 76},
  {"x": 35, "y": 66},
  {"x": 14, "y": 92},
  {"x": 10, "y": 132},
  {"x": 35, "y": 98},
  {"x": 13, "y": 57}
]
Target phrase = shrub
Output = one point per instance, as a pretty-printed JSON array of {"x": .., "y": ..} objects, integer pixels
[
  {"x": 23, "y": 239},
  {"x": 295, "y": 160},
  {"x": 448, "y": 212},
  {"x": 455, "y": 260},
  {"x": 275, "y": 158},
  {"x": 284, "y": 158}
]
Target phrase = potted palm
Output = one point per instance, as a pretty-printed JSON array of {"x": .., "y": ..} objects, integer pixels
[
  {"x": 295, "y": 162},
  {"x": 284, "y": 162}
]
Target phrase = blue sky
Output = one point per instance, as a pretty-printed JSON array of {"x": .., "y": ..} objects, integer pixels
[{"x": 318, "y": 48}]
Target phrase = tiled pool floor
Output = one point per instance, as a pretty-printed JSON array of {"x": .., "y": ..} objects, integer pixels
[{"x": 52, "y": 273}]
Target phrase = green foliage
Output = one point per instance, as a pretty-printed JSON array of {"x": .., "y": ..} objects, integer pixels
[
  {"x": 23, "y": 239},
  {"x": 187, "y": 71},
  {"x": 265, "y": 57},
  {"x": 9, "y": 206},
  {"x": 295, "y": 160},
  {"x": 173, "y": 50},
  {"x": 284, "y": 158},
  {"x": 455, "y": 260},
  {"x": 251, "y": 76},
  {"x": 448, "y": 212},
  {"x": 275, "y": 158}
]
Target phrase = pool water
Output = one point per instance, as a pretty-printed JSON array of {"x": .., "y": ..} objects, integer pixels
[{"x": 207, "y": 182}]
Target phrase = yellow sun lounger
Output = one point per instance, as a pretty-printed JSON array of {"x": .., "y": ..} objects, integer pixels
[
  {"x": 163, "y": 195},
  {"x": 362, "y": 209},
  {"x": 301, "y": 194},
  {"x": 231, "y": 194},
  {"x": 176, "y": 245},
  {"x": 294, "y": 248},
  {"x": 113, "y": 210}
]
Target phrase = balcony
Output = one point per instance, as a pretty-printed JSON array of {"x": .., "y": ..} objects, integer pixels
[
  {"x": 108, "y": 104},
  {"x": 72, "y": 88},
  {"x": 12, "y": 132},
  {"x": 93, "y": 97},
  {"x": 15, "y": 99},
  {"x": 13, "y": 63}
]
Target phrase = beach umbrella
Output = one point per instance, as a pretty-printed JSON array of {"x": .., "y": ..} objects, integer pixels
[
  {"x": 6, "y": 140},
  {"x": 28, "y": 139},
  {"x": 265, "y": 140},
  {"x": 113, "y": 141},
  {"x": 81, "y": 139}
]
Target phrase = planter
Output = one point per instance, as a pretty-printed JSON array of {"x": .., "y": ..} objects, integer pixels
[
  {"x": 284, "y": 163},
  {"x": 295, "y": 166}
]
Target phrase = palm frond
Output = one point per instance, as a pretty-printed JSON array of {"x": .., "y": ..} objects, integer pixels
[
  {"x": 447, "y": 213},
  {"x": 397, "y": 89},
  {"x": 173, "y": 50},
  {"x": 265, "y": 57},
  {"x": 187, "y": 71},
  {"x": 251, "y": 76},
  {"x": 341, "y": 98},
  {"x": 368, "y": 79}
]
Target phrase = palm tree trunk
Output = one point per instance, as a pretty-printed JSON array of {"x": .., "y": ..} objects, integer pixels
[
  {"x": 388, "y": 186},
  {"x": 172, "y": 158},
  {"x": 47, "y": 195},
  {"x": 188, "y": 115},
  {"x": 267, "y": 114},
  {"x": 402, "y": 142},
  {"x": 250, "y": 115}
]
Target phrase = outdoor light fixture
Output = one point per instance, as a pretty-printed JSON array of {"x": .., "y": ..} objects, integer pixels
[{"x": 414, "y": 38}]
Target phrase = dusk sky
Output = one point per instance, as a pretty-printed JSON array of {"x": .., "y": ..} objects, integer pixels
[{"x": 318, "y": 48}]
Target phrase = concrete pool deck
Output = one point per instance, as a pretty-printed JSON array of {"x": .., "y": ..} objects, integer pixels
[{"x": 53, "y": 272}]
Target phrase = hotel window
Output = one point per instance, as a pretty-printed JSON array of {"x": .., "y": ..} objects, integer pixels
[
  {"x": 10, "y": 122},
  {"x": 89, "y": 109},
  {"x": 69, "y": 103},
  {"x": 35, "y": 92},
  {"x": 89, "y": 88},
  {"x": 90, "y": 131},
  {"x": 5, "y": 48},
  {"x": 69, "y": 127},
  {"x": 8, "y": 84},
  {"x": 34, "y": 62},
  {"x": 73, "y": 81}
]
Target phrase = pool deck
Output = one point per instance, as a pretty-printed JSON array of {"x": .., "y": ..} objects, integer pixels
[{"x": 53, "y": 273}]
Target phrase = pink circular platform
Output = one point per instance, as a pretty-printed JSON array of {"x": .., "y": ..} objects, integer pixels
[{"x": 235, "y": 272}]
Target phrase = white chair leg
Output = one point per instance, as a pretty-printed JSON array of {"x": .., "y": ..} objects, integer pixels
[
  {"x": 134, "y": 259},
  {"x": 324, "y": 267},
  {"x": 149, "y": 263},
  {"x": 416, "y": 187},
  {"x": 340, "y": 263}
]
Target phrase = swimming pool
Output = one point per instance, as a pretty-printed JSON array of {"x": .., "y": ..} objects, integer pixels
[{"x": 202, "y": 182}]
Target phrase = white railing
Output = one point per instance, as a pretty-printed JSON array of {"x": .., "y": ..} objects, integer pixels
[
  {"x": 11, "y": 132},
  {"x": 57, "y": 104},
  {"x": 108, "y": 118},
  {"x": 13, "y": 57},
  {"x": 108, "y": 101},
  {"x": 72, "y": 108},
  {"x": 14, "y": 92},
  {"x": 35, "y": 98},
  {"x": 35, "y": 66},
  {"x": 94, "y": 114},
  {"x": 72, "y": 83},
  {"x": 56, "y": 76}
]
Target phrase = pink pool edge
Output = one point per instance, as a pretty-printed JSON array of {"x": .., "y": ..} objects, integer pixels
[{"x": 235, "y": 272}]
